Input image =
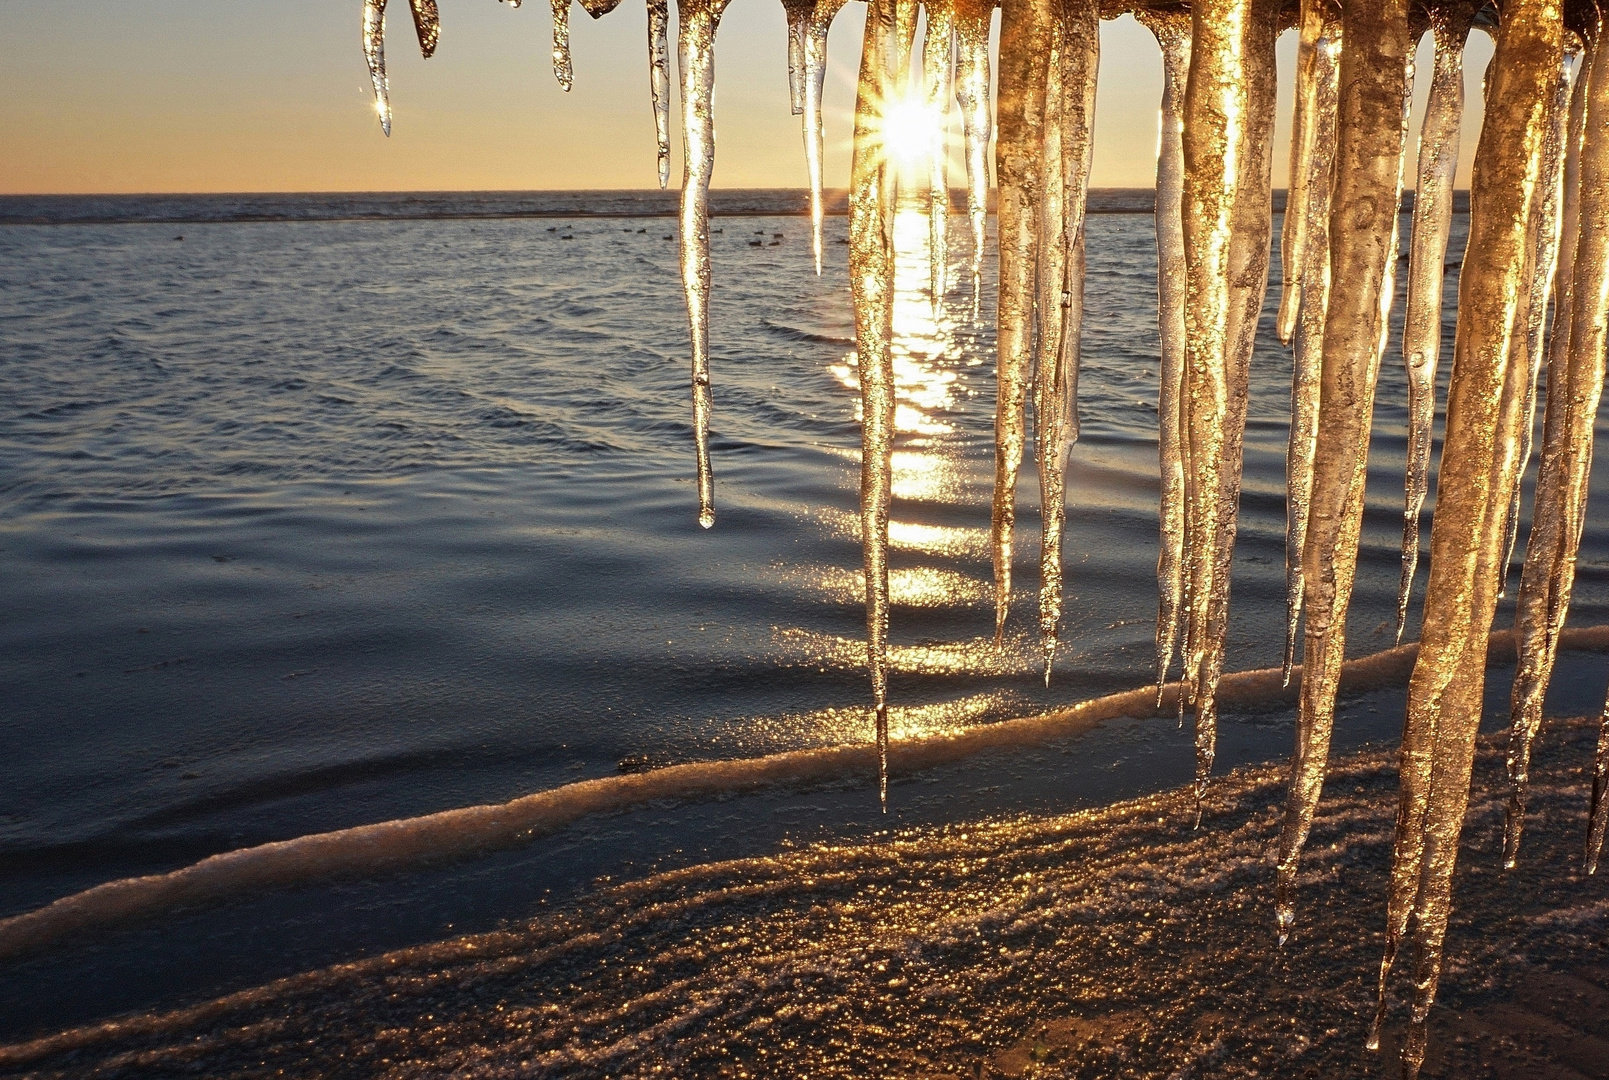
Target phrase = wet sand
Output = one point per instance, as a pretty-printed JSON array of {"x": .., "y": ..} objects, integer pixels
[{"x": 1113, "y": 942}]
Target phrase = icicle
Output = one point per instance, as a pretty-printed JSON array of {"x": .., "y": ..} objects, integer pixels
[
  {"x": 871, "y": 280},
  {"x": 1293, "y": 240},
  {"x": 938, "y": 66},
  {"x": 815, "y": 79},
  {"x": 695, "y": 57},
  {"x": 1575, "y": 384},
  {"x": 798, "y": 14},
  {"x": 374, "y": 53},
  {"x": 1315, "y": 294},
  {"x": 1215, "y": 120},
  {"x": 1236, "y": 61},
  {"x": 1025, "y": 39},
  {"x": 1068, "y": 149},
  {"x": 1172, "y": 31},
  {"x": 1547, "y": 251},
  {"x": 1432, "y": 219},
  {"x": 1466, "y": 537},
  {"x": 427, "y": 24},
  {"x": 1377, "y": 69},
  {"x": 659, "y": 80},
  {"x": 972, "y": 93},
  {"x": 561, "y": 44}
]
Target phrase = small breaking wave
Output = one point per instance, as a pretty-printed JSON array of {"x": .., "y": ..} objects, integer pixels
[{"x": 401, "y": 844}]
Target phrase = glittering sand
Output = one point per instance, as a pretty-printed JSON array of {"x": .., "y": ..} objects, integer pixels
[{"x": 1114, "y": 942}]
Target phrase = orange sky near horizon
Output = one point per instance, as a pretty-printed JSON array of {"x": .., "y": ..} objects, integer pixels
[{"x": 173, "y": 96}]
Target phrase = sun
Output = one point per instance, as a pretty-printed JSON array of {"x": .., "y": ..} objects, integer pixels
[{"x": 910, "y": 132}]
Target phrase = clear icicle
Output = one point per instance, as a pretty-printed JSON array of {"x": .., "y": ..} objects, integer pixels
[
  {"x": 1025, "y": 39},
  {"x": 427, "y": 24},
  {"x": 1172, "y": 31},
  {"x": 1314, "y": 300},
  {"x": 659, "y": 80},
  {"x": 1216, "y": 458},
  {"x": 1293, "y": 241},
  {"x": 561, "y": 44},
  {"x": 1371, "y": 136},
  {"x": 374, "y": 54},
  {"x": 798, "y": 14},
  {"x": 1575, "y": 385},
  {"x": 695, "y": 56},
  {"x": 971, "y": 19},
  {"x": 938, "y": 69},
  {"x": 1068, "y": 152},
  {"x": 1550, "y": 183},
  {"x": 871, "y": 281},
  {"x": 1466, "y": 537},
  {"x": 815, "y": 80},
  {"x": 1432, "y": 221}
]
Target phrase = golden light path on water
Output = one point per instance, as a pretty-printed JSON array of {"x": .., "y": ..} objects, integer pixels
[{"x": 928, "y": 471}]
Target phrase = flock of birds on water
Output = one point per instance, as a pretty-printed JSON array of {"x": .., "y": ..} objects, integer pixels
[{"x": 1538, "y": 237}]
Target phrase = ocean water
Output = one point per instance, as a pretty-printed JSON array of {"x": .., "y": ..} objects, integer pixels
[{"x": 314, "y": 517}]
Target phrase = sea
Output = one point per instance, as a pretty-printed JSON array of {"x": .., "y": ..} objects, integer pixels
[{"x": 322, "y": 511}]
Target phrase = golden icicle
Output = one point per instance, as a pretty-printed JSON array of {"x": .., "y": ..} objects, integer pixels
[
  {"x": 1376, "y": 74},
  {"x": 871, "y": 283},
  {"x": 1172, "y": 33},
  {"x": 1025, "y": 34},
  {"x": 972, "y": 94},
  {"x": 1307, "y": 358},
  {"x": 1466, "y": 538},
  {"x": 1432, "y": 221}
]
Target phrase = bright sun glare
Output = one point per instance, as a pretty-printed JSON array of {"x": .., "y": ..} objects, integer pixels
[{"x": 910, "y": 130}]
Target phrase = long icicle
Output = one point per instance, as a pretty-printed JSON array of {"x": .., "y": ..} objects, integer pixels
[
  {"x": 1069, "y": 153},
  {"x": 695, "y": 56},
  {"x": 1307, "y": 357},
  {"x": 1025, "y": 33},
  {"x": 1251, "y": 232},
  {"x": 561, "y": 45},
  {"x": 1466, "y": 538},
  {"x": 1589, "y": 318},
  {"x": 659, "y": 81},
  {"x": 1432, "y": 222},
  {"x": 426, "y": 24},
  {"x": 1051, "y": 272},
  {"x": 871, "y": 282},
  {"x": 1172, "y": 31},
  {"x": 1575, "y": 384},
  {"x": 374, "y": 55},
  {"x": 938, "y": 70},
  {"x": 1553, "y": 502},
  {"x": 1377, "y": 69},
  {"x": 1293, "y": 236},
  {"x": 1214, "y": 125},
  {"x": 815, "y": 81},
  {"x": 1551, "y": 184},
  {"x": 971, "y": 19}
]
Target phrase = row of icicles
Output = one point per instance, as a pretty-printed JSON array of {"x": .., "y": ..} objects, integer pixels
[{"x": 1538, "y": 232}]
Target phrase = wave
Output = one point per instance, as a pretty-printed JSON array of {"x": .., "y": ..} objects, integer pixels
[
  {"x": 400, "y": 844},
  {"x": 1115, "y": 940}
]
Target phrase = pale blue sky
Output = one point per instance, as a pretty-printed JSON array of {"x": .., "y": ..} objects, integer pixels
[{"x": 273, "y": 95}]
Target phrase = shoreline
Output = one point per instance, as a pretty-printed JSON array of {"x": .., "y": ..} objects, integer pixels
[{"x": 449, "y": 835}]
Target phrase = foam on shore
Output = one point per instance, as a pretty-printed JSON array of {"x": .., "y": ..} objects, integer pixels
[{"x": 401, "y": 844}]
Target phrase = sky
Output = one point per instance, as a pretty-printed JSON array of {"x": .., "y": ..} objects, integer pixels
[{"x": 272, "y": 95}]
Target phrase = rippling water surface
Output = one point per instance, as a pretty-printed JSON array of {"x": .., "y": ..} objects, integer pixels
[{"x": 307, "y": 524}]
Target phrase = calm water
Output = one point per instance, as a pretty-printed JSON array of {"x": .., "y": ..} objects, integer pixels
[{"x": 313, "y": 523}]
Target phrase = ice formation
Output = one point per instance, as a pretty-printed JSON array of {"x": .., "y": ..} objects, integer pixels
[
  {"x": 1537, "y": 235},
  {"x": 1432, "y": 221},
  {"x": 1172, "y": 31}
]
